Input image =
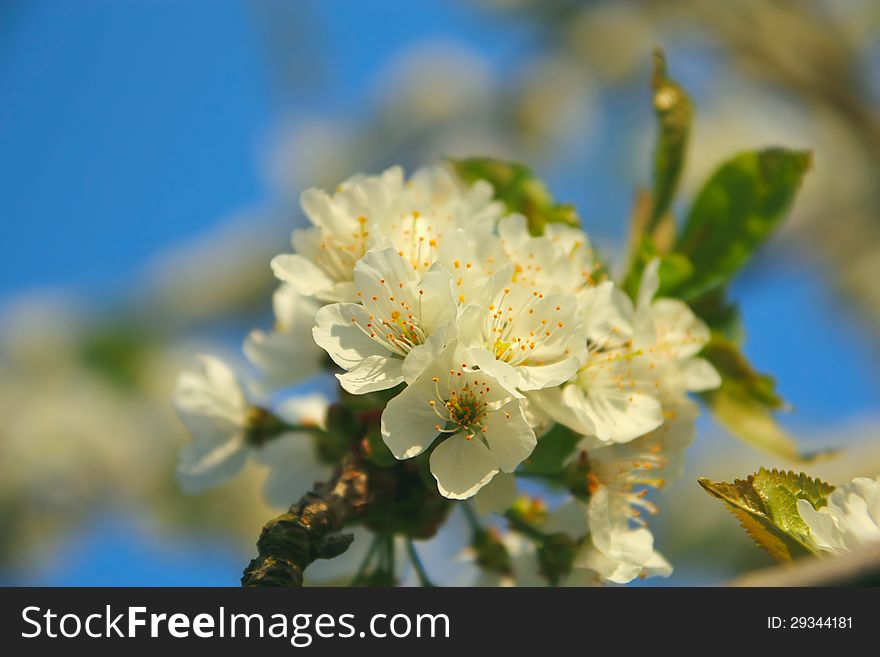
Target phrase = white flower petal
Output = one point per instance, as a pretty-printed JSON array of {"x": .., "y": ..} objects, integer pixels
[
  {"x": 339, "y": 329},
  {"x": 509, "y": 435},
  {"x": 650, "y": 283},
  {"x": 699, "y": 375},
  {"x": 461, "y": 466},
  {"x": 213, "y": 407},
  {"x": 617, "y": 415},
  {"x": 308, "y": 409},
  {"x": 618, "y": 553},
  {"x": 849, "y": 520},
  {"x": 657, "y": 566},
  {"x": 284, "y": 359},
  {"x": 679, "y": 330},
  {"x": 547, "y": 376},
  {"x": 207, "y": 463},
  {"x": 409, "y": 423},
  {"x": 607, "y": 313},
  {"x": 497, "y": 496},
  {"x": 293, "y": 468},
  {"x": 423, "y": 355},
  {"x": 823, "y": 526},
  {"x": 437, "y": 305},
  {"x": 304, "y": 276},
  {"x": 371, "y": 374},
  {"x": 566, "y": 406},
  {"x": 210, "y": 403},
  {"x": 506, "y": 375}
]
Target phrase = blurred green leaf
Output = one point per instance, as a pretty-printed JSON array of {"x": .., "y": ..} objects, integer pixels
[
  {"x": 735, "y": 212},
  {"x": 518, "y": 188},
  {"x": 118, "y": 352},
  {"x": 766, "y": 505},
  {"x": 675, "y": 269},
  {"x": 719, "y": 314},
  {"x": 727, "y": 358},
  {"x": 652, "y": 228},
  {"x": 674, "y": 110}
]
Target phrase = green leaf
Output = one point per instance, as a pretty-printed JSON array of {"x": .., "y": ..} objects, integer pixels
[
  {"x": 736, "y": 211},
  {"x": 727, "y": 358},
  {"x": 674, "y": 111},
  {"x": 766, "y": 505},
  {"x": 551, "y": 452},
  {"x": 745, "y": 402},
  {"x": 652, "y": 227},
  {"x": 520, "y": 191},
  {"x": 118, "y": 353},
  {"x": 740, "y": 499},
  {"x": 719, "y": 314},
  {"x": 675, "y": 269},
  {"x": 782, "y": 490}
]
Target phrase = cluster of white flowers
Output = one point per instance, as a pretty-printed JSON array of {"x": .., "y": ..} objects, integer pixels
[{"x": 492, "y": 334}]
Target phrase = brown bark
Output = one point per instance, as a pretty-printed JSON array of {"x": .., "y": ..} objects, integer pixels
[{"x": 310, "y": 530}]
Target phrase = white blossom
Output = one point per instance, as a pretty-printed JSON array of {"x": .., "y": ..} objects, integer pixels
[
  {"x": 286, "y": 355},
  {"x": 671, "y": 337},
  {"x": 609, "y": 396},
  {"x": 211, "y": 404},
  {"x": 558, "y": 262},
  {"x": 640, "y": 360},
  {"x": 480, "y": 425},
  {"x": 617, "y": 551},
  {"x": 491, "y": 335},
  {"x": 849, "y": 520},
  {"x": 620, "y": 547},
  {"x": 226, "y": 428},
  {"x": 528, "y": 339},
  {"x": 402, "y": 322},
  {"x": 417, "y": 218}
]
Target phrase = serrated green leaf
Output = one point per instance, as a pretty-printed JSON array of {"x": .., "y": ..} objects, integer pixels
[
  {"x": 766, "y": 505},
  {"x": 735, "y": 212},
  {"x": 551, "y": 452},
  {"x": 782, "y": 490},
  {"x": 520, "y": 191},
  {"x": 768, "y": 537},
  {"x": 674, "y": 110}
]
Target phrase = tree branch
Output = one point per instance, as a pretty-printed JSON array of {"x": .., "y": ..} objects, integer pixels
[
  {"x": 290, "y": 543},
  {"x": 859, "y": 568}
]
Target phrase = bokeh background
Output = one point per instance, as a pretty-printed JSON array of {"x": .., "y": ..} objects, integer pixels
[{"x": 152, "y": 153}]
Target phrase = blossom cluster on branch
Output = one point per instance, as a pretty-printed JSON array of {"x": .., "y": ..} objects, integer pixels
[
  {"x": 486, "y": 334},
  {"x": 479, "y": 341}
]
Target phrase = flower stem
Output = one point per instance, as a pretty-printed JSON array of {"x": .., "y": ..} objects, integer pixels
[
  {"x": 306, "y": 428},
  {"x": 424, "y": 580},
  {"x": 368, "y": 557},
  {"x": 472, "y": 518},
  {"x": 524, "y": 527}
]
